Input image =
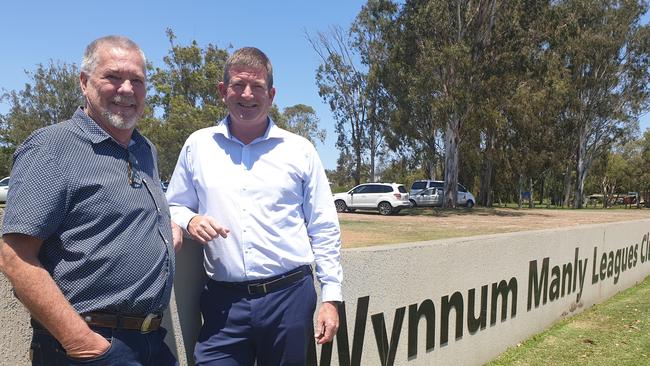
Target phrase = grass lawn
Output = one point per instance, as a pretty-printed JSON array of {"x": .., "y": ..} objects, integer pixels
[{"x": 616, "y": 332}]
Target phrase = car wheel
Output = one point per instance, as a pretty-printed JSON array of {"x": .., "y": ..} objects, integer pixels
[
  {"x": 470, "y": 204},
  {"x": 413, "y": 204},
  {"x": 385, "y": 208},
  {"x": 340, "y": 206}
]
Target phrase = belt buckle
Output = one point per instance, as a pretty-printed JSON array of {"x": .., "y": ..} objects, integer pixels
[
  {"x": 252, "y": 289},
  {"x": 146, "y": 323}
]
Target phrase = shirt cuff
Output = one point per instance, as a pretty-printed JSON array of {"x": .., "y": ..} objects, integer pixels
[
  {"x": 331, "y": 292},
  {"x": 181, "y": 216}
]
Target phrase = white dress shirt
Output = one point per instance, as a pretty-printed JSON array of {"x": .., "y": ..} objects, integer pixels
[{"x": 274, "y": 197}]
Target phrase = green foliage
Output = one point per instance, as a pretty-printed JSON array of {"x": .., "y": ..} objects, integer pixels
[
  {"x": 300, "y": 119},
  {"x": 185, "y": 93},
  {"x": 51, "y": 95}
]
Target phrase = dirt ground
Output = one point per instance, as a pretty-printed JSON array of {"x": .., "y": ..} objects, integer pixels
[{"x": 368, "y": 228}]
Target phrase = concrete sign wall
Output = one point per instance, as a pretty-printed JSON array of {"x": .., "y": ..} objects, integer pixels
[
  {"x": 458, "y": 301},
  {"x": 464, "y": 301}
]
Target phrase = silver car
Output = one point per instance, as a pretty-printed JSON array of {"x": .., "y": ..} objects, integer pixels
[
  {"x": 430, "y": 197},
  {"x": 4, "y": 188}
]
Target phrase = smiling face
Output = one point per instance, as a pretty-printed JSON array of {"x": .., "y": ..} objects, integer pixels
[
  {"x": 247, "y": 96},
  {"x": 115, "y": 90}
]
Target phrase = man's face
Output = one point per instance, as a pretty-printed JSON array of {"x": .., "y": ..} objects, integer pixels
[
  {"x": 247, "y": 95},
  {"x": 115, "y": 91}
]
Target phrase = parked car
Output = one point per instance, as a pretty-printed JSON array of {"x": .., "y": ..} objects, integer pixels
[
  {"x": 4, "y": 188},
  {"x": 430, "y": 197},
  {"x": 465, "y": 197},
  {"x": 387, "y": 198}
]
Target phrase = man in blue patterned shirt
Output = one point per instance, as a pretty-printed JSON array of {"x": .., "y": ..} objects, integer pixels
[{"x": 88, "y": 243}]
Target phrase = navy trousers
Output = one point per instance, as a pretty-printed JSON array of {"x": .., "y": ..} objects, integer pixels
[
  {"x": 128, "y": 348},
  {"x": 241, "y": 329}
]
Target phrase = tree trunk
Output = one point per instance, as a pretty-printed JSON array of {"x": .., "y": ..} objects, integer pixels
[
  {"x": 357, "y": 165},
  {"x": 451, "y": 161},
  {"x": 531, "y": 204},
  {"x": 520, "y": 189},
  {"x": 581, "y": 167},
  {"x": 485, "y": 193},
  {"x": 541, "y": 190},
  {"x": 432, "y": 161},
  {"x": 567, "y": 186}
]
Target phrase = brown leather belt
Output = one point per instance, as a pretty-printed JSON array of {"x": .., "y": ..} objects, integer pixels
[
  {"x": 144, "y": 324},
  {"x": 264, "y": 286}
]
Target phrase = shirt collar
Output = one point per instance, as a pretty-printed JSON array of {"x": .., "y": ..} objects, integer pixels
[
  {"x": 272, "y": 130},
  {"x": 96, "y": 134}
]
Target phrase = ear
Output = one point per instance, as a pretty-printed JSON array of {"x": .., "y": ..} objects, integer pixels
[
  {"x": 223, "y": 90},
  {"x": 83, "y": 82},
  {"x": 271, "y": 94}
]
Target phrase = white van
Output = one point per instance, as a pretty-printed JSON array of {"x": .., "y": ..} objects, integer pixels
[{"x": 465, "y": 198}]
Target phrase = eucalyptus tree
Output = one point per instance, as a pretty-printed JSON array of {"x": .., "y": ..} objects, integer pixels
[
  {"x": 606, "y": 59},
  {"x": 369, "y": 40},
  {"x": 342, "y": 83},
  {"x": 350, "y": 81},
  {"x": 437, "y": 45}
]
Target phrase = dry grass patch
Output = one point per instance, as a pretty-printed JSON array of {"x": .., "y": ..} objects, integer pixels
[{"x": 369, "y": 228}]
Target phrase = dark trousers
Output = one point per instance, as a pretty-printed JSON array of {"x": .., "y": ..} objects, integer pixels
[
  {"x": 128, "y": 348},
  {"x": 240, "y": 329}
]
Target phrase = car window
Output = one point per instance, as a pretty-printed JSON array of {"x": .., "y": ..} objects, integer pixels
[
  {"x": 375, "y": 188},
  {"x": 360, "y": 189},
  {"x": 4, "y": 182},
  {"x": 386, "y": 189},
  {"x": 461, "y": 188},
  {"x": 437, "y": 184},
  {"x": 371, "y": 188},
  {"x": 418, "y": 185},
  {"x": 401, "y": 189}
]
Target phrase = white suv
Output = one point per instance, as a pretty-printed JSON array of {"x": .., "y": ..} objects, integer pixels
[{"x": 388, "y": 198}]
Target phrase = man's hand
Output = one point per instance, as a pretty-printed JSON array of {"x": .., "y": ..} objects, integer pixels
[
  {"x": 177, "y": 237},
  {"x": 205, "y": 228},
  {"x": 36, "y": 289},
  {"x": 89, "y": 346},
  {"x": 327, "y": 323}
]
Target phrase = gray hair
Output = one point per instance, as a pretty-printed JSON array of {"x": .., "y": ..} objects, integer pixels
[
  {"x": 89, "y": 61},
  {"x": 252, "y": 57}
]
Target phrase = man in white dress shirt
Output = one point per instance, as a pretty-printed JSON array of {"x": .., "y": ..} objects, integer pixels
[{"x": 257, "y": 198}]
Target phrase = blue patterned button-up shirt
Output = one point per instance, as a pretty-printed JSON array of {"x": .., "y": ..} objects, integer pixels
[{"x": 100, "y": 212}]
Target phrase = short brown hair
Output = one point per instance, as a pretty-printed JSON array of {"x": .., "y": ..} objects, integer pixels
[{"x": 251, "y": 57}]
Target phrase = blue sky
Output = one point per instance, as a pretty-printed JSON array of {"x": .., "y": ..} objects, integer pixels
[{"x": 35, "y": 31}]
